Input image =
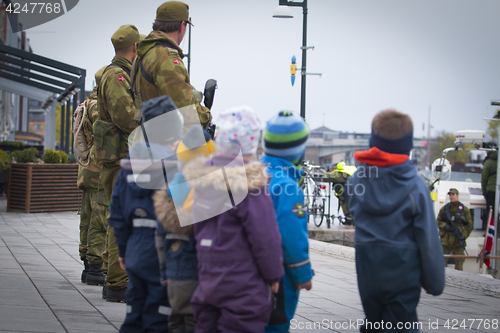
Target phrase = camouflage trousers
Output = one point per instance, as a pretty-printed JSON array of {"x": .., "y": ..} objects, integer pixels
[
  {"x": 116, "y": 279},
  {"x": 459, "y": 262},
  {"x": 97, "y": 230},
  {"x": 93, "y": 224}
]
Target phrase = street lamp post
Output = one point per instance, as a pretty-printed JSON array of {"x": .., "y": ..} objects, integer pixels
[{"x": 282, "y": 11}]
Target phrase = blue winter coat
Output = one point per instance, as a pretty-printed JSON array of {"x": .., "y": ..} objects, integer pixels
[
  {"x": 291, "y": 214},
  {"x": 179, "y": 245},
  {"x": 132, "y": 205},
  {"x": 397, "y": 240}
]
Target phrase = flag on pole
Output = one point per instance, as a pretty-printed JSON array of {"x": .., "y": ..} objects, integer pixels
[{"x": 490, "y": 236}]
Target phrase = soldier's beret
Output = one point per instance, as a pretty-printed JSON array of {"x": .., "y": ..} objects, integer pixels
[
  {"x": 173, "y": 11},
  {"x": 125, "y": 36}
]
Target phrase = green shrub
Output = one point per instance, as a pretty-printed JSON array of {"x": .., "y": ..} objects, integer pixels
[
  {"x": 5, "y": 160},
  {"x": 15, "y": 144},
  {"x": 51, "y": 156},
  {"x": 63, "y": 156},
  {"x": 54, "y": 156},
  {"x": 26, "y": 156}
]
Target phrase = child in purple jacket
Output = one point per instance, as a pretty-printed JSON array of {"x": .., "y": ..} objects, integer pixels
[{"x": 238, "y": 243}]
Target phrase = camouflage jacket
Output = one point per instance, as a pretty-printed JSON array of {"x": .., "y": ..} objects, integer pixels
[
  {"x": 464, "y": 224},
  {"x": 116, "y": 104},
  {"x": 165, "y": 67},
  {"x": 88, "y": 177}
]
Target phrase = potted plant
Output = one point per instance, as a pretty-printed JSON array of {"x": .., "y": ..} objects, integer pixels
[
  {"x": 42, "y": 186},
  {"x": 5, "y": 161}
]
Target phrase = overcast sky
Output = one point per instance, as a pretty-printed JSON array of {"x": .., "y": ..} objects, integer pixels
[{"x": 409, "y": 55}]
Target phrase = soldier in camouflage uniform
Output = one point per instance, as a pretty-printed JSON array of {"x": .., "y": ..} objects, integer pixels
[
  {"x": 159, "y": 70},
  {"x": 93, "y": 221},
  {"x": 116, "y": 113},
  {"x": 454, "y": 212}
]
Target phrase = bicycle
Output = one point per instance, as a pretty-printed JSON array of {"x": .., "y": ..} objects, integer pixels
[
  {"x": 314, "y": 199},
  {"x": 344, "y": 220}
]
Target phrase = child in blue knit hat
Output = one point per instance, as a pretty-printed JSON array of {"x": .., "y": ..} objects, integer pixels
[{"x": 285, "y": 139}]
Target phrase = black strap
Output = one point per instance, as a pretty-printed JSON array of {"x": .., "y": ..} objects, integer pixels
[
  {"x": 145, "y": 74},
  {"x": 114, "y": 64},
  {"x": 143, "y": 70},
  {"x": 458, "y": 215}
]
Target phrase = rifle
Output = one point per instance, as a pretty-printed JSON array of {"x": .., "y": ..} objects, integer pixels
[
  {"x": 457, "y": 233},
  {"x": 209, "y": 94}
]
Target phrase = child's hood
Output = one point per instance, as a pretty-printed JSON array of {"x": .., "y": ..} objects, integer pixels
[
  {"x": 144, "y": 175},
  {"x": 381, "y": 190},
  {"x": 223, "y": 181},
  {"x": 203, "y": 173}
]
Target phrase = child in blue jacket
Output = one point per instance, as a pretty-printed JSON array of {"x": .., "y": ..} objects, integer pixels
[
  {"x": 398, "y": 249},
  {"x": 284, "y": 146},
  {"x": 176, "y": 244},
  {"x": 134, "y": 220}
]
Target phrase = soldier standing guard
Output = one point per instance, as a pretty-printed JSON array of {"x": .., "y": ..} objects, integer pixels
[
  {"x": 455, "y": 213},
  {"x": 159, "y": 70},
  {"x": 93, "y": 221},
  {"x": 111, "y": 131}
]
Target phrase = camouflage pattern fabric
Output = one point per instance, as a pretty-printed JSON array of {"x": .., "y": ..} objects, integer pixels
[
  {"x": 97, "y": 228},
  {"x": 85, "y": 216},
  {"x": 116, "y": 114},
  {"x": 117, "y": 109},
  {"x": 116, "y": 278},
  {"x": 459, "y": 263},
  {"x": 465, "y": 225},
  {"x": 165, "y": 66},
  {"x": 88, "y": 177}
]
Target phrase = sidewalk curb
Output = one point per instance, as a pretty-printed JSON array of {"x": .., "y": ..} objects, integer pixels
[{"x": 454, "y": 278}]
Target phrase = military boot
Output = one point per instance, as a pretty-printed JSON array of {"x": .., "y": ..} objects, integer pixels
[
  {"x": 85, "y": 270},
  {"x": 104, "y": 291},
  {"x": 116, "y": 296},
  {"x": 95, "y": 276}
]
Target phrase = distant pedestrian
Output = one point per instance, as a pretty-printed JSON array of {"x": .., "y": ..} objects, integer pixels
[
  {"x": 397, "y": 243},
  {"x": 454, "y": 222}
]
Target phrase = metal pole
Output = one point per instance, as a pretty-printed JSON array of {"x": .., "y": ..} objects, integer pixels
[
  {"x": 66, "y": 127},
  {"x": 497, "y": 197},
  {"x": 304, "y": 60},
  {"x": 61, "y": 129},
  {"x": 189, "y": 48},
  {"x": 75, "y": 105}
]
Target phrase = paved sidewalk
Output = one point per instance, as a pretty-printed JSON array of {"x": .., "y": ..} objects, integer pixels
[{"x": 40, "y": 288}]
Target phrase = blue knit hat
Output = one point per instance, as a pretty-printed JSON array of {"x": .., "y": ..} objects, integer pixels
[{"x": 286, "y": 136}]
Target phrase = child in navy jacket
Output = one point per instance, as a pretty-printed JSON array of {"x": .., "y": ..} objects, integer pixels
[
  {"x": 398, "y": 250},
  {"x": 134, "y": 220}
]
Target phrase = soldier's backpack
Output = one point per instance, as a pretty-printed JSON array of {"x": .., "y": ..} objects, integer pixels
[{"x": 82, "y": 135}]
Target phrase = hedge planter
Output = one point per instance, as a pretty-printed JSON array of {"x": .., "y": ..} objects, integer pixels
[{"x": 35, "y": 188}]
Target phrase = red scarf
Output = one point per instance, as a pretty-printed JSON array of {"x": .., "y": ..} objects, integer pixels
[{"x": 379, "y": 158}]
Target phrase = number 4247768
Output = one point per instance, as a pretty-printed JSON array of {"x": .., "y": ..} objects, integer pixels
[
  {"x": 455, "y": 324},
  {"x": 34, "y": 8}
]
